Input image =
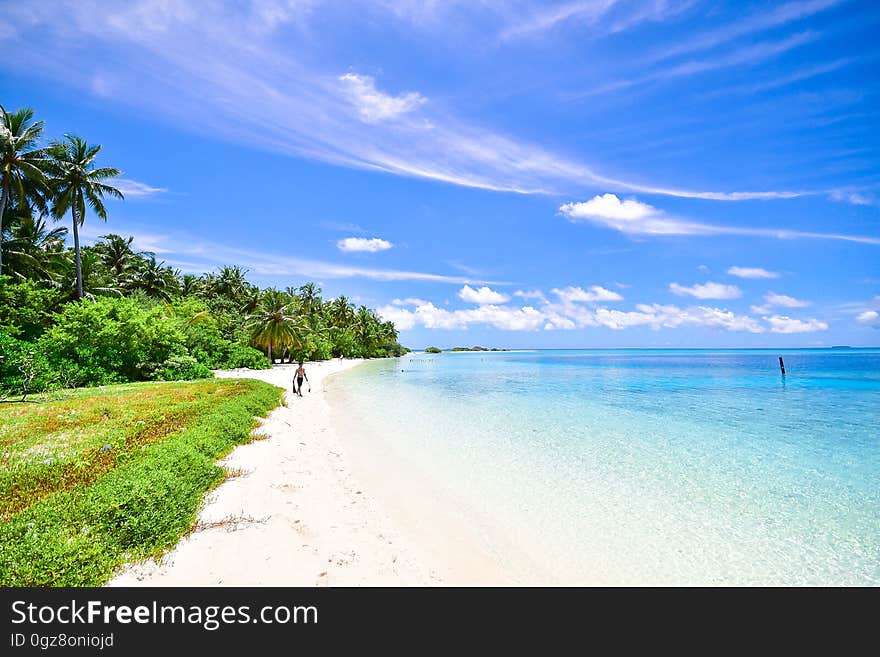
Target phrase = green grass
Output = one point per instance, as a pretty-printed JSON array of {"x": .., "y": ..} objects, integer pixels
[{"x": 108, "y": 475}]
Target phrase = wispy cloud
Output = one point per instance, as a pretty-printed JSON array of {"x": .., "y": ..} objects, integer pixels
[
  {"x": 745, "y": 56},
  {"x": 760, "y": 21},
  {"x": 751, "y": 272},
  {"x": 135, "y": 189},
  {"x": 634, "y": 217},
  {"x": 602, "y": 17},
  {"x": 223, "y": 71},
  {"x": 784, "y": 301},
  {"x": 546, "y": 17},
  {"x": 785, "y": 80},
  {"x": 194, "y": 255},
  {"x": 852, "y": 197},
  {"x": 343, "y": 227},
  {"x": 773, "y": 300}
]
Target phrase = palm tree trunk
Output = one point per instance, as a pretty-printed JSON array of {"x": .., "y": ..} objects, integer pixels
[
  {"x": 3, "y": 200},
  {"x": 76, "y": 255},
  {"x": 271, "y": 362}
]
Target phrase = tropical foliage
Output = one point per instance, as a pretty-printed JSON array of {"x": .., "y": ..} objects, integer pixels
[{"x": 108, "y": 313}]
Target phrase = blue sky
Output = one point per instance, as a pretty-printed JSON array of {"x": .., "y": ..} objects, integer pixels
[{"x": 522, "y": 174}]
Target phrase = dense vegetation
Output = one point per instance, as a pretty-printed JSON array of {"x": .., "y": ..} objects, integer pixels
[
  {"x": 104, "y": 476},
  {"x": 437, "y": 350},
  {"x": 106, "y": 313},
  {"x": 476, "y": 348}
]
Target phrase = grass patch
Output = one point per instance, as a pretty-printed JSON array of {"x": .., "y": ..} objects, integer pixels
[{"x": 106, "y": 476}]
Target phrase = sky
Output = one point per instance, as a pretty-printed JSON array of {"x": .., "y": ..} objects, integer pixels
[{"x": 574, "y": 174}]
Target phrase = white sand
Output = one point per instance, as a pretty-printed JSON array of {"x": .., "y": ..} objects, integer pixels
[{"x": 295, "y": 515}]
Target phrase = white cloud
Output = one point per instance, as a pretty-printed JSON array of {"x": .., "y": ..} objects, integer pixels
[
  {"x": 869, "y": 318},
  {"x": 568, "y": 316},
  {"x": 482, "y": 296},
  {"x": 782, "y": 324},
  {"x": 548, "y": 17},
  {"x": 409, "y": 301},
  {"x": 784, "y": 301},
  {"x": 854, "y": 198},
  {"x": 430, "y": 316},
  {"x": 744, "y": 56},
  {"x": 751, "y": 272},
  {"x": 759, "y": 21},
  {"x": 225, "y": 73},
  {"x": 530, "y": 294},
  {"x": 633, "y": 217},
  {"x": 403, "y": 319},
  {"x": 192, "y": 254},
  {"x": 354, "y": 244},
  {"x": 135, "y": 189},
  {"x": 375, "y": 106},
  {"x": 658, "y": 316},
  {"x": 707, "y": 290},
  {"x": 595, "y": 293}
]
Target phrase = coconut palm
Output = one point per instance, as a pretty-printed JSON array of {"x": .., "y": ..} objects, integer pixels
[
  {"x": 229, "y": 282},
  {"x": 117, "y": 255},
  {"x": 75, "y": 181},
  {"x": 92, "y": 280},
  {"x": 310, "y": 296},
  {"x": 32, "y": 251},
  {"x": 190, "y": 285},
  {"x": 21, "y": 161},
  {"x": 274, "y": 323},
  {"x": 365, "y": 330},
  {"x": 154, "y": 279}
]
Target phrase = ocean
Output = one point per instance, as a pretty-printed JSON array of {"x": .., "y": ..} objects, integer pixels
[{"x": 636, "y": 466}]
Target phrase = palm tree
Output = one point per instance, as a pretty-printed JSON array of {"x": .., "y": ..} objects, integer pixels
[
  {"x": 32, "y": 250},
  {"x": 190, "y": 285},
  {"x": 365, "y": 329},
  {"x": 21, "y": 162},
  {"x": 310, "y": 295},
  {"x": 154, "y": 279},
  {"x": 339, "y": 317},
  {"x": 230, "y": 282},
  {"x": 274, "y": 324},
  {"x": 75, "y": 181},
  {"x": 92, "y": 280},
  {"x": 117, "y": 255}
]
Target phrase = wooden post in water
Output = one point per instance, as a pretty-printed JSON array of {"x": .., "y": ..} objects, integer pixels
[{"x": 782, "y": 366}]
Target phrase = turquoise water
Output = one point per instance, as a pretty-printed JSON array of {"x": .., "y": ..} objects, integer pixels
[{"x": 639, "y": 466}]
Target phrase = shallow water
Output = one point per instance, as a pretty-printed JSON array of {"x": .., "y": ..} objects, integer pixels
[{"x": 639, "y": 466}]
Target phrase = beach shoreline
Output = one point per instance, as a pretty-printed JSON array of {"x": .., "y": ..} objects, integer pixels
[{"x": 293, "y": 513}]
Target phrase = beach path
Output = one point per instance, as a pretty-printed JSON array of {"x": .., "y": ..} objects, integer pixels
[{"x": 292, "y": 514}]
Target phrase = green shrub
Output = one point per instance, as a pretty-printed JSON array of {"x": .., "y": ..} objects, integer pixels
[
  {"x": 182, "y": 368},
  {"x": 24, "y": 370},
  {"x": 113, "y": 339},
  {"x": 243, "y": 356},
  {"x": 26, "y": 308},
  {"x": 433, "y": 350}
]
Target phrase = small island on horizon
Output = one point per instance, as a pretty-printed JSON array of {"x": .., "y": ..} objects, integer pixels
[{"x": 437, "y": 350}]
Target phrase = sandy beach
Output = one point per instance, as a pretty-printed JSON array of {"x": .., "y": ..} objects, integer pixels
[{"x": 292, "y": 514}]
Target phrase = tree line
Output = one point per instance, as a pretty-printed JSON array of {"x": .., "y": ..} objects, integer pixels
[{"x": 107, "y": 313}]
